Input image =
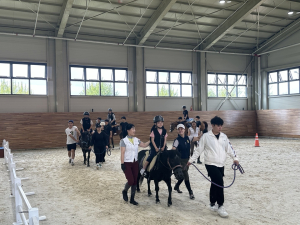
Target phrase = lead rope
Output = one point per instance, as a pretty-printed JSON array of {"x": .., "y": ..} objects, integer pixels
[{"x": 234, "y": 167}]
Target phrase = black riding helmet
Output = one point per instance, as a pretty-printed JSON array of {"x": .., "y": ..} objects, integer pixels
[
  {"x": 184, "y": 107},
  {"x": 158, "y": 118},
  {"x": 86, "y": 113},
  {"x": 109, "y": 110}
]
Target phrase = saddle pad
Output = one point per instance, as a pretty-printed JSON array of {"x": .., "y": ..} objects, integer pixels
[{"x": 151, "y": 165}]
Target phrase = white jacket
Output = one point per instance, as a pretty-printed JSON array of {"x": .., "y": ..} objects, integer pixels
[{"x": 214, "y": 150}]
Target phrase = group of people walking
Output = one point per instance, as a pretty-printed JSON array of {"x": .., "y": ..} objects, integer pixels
[
  {"x": 100, "y": 136},
  {"x": 214, "y": 144}
]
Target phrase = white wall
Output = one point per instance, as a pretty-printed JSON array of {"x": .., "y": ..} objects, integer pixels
[
  {"x": 287, "y": 102},
  {"x": 283, "y": 59},
  {"x": 229, "y": 64},
  {"x": 168, "y": 60},
  {"x": 287, "y": 56},
  {"x": 167, "y": 104},
  {"x": 22, "y": 49},
  {"x": 97, "y": 55},
  {"x": 23, "y": 104},
  {"x": 172, "y": 61},
  {"x": 235, "y": 104},
  {"x": 99, "y": 104}
]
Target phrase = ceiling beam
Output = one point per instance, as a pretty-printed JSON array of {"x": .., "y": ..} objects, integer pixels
[
  {"x": 63, "y": 17},
  {"x": 279, "y": 37},
  {"x": 157, "y": 16},
  {"x": 237, "y": 17}
]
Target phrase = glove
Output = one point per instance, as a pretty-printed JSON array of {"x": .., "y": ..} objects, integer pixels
[{"x": 123, "y": 167}]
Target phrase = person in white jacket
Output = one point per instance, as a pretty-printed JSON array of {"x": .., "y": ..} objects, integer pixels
[{"x": 215, "y": 145}]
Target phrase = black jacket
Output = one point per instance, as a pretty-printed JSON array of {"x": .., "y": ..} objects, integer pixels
[{"x": 159, "y": 139}]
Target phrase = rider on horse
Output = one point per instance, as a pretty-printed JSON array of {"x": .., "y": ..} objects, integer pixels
[
  {"x": 158, "y": 139},
  {"x": 86, "y": 122},
  {"x": 112, "y": 119}
]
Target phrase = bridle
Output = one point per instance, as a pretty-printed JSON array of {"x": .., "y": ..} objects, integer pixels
[
  {"x": 173, "y": 168},
  {"x": 170, "y": 167}
]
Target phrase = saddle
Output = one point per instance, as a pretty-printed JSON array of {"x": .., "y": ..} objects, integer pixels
[{"x": 153, "y": 162}]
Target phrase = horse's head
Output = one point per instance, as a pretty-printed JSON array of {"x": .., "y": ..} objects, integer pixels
[
  {"x": 85, "y": 139},
  {"x": 174, "y": 163},
  {"x": 173, "y": 126}
]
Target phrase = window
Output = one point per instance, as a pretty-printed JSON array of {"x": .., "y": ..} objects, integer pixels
[
  {"x": 95, "y": 81},
  {"x": 284, "y": 82},
  {"x": 168, "y": 84},
  {"x": 23, "y": 78},
  {"x": 221, "y": 85}
]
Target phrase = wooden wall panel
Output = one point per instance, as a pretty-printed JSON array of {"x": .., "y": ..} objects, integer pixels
[
  {"x": 47, "y": 130},
  {"x": 279, "y": 123}
]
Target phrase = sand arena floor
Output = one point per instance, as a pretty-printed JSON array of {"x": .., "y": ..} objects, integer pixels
[{"x": 268, "y": 193}]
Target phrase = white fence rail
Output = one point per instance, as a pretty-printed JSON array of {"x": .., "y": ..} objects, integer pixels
[{"x": 18, "y": 193}]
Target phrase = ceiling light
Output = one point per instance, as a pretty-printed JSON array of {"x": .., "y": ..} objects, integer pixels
[
  {"x": 290, "y": 12},
  {"x": 222, "y": 1},
  {"x": 228, "y": 1}
]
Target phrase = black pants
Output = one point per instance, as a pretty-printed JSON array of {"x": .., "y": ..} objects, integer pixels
[
  {"x": 216, "y": 193},
  {"x": 100, "y": 154}
]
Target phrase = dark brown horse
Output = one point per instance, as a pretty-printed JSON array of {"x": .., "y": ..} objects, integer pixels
[{"x": 118, "y": 132}]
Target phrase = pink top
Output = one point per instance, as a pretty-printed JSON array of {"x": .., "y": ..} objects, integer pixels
[{"x": 159, "y": 131}]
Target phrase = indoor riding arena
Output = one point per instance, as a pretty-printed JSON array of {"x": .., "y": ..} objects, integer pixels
[{"x": 86, "y": 85}]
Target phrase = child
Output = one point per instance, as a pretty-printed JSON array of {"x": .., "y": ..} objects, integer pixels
[
  {"x": 158, "y": 140},
  {"x": 86, "y": 122},
  {"x": 71, "y": 133}
]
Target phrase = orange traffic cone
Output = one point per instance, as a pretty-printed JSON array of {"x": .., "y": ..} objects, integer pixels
[{"x": 256, "y": 144}]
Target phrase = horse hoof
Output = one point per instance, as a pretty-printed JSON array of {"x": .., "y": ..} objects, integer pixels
[
  {"x": 157, "y": 201},
  {"x": 138, "y": 191},
  {"x": 169, "y": 204}
]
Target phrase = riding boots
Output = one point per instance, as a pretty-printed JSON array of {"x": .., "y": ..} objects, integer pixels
[
  {"x": 132, "y": 201},
  {"x": 124, "y": 192}
]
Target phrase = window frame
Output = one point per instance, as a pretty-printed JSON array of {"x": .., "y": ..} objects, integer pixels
[
  {"x": 168, "y": 83},
  {"x": 236, "y": 85},
  {"x": 29, "y": 64},
  {"x": 99, "y": 81},
  {"x": 288, "y": 81}
]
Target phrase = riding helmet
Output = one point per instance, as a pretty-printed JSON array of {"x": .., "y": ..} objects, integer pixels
[
  {"x": 184, "y": 107},
  {"x": 86, "y": 113},
  {"x": 109, "y": 109},
  {"x": 158, "y": 118}
]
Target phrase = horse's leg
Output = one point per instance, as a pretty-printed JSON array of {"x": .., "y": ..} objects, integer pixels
[
  {"x": 149, "y": 190},
  {"x": 112, "y": 141},
  {"x": 84, "y": 156},
  {"x": 156, "y": 189},
  {"x": 88, "y": 158},
  {"x": 168, "y": 182}
]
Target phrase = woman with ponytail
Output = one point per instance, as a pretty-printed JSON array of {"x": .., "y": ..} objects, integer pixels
[{"x": 129, "y": 161}]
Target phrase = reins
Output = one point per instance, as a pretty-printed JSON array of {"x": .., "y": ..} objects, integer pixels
[{"x": 234, "y": 167}]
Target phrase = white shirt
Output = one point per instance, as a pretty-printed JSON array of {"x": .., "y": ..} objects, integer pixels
[
  {"x": 193, "y": 132},
  {"x": 73, "y": 132},
  {"x": 214, "y": 149},
  {"x": 131, "y": 150}
]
